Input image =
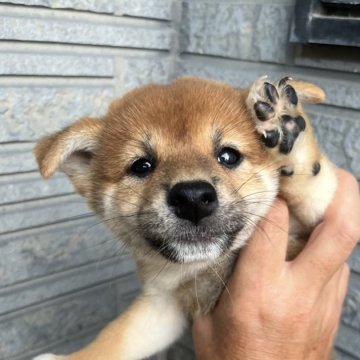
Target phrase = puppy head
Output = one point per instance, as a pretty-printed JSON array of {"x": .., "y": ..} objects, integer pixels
[{"x": 176, "y": 170}]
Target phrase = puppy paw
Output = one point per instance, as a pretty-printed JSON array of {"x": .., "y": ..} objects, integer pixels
[
  {"x": 276, "y": 113},
  {"x": 48, "y": 357}
]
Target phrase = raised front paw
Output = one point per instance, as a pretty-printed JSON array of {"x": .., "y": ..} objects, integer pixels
[
  {"x": 276, "y": 113},
  {"x": 48, "y": 357}
]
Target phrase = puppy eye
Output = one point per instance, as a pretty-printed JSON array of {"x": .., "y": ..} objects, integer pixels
[
  {"x": 229, "y": 157},
  {"x": 142, "y": 167}
]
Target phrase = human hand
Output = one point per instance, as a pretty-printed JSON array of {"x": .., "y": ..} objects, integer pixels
[{"x": 275, "y": 309}]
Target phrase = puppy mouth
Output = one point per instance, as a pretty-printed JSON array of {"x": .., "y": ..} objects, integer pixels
[{"x": 187, "y": 248}]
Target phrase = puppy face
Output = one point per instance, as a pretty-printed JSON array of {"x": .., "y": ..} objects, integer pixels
[{"x": 175, "y": 170}]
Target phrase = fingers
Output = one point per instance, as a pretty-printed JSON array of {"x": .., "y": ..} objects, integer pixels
[
  {"x": 266, "y": 249},
  {"x": 333, "y": 240},
  {"x": 202, "y": 336},
  {"x": 335, "y": 289},
  {"x": 331, "y": 300}
]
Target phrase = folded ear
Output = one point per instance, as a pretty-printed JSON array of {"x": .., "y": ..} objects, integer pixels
[
  {"x": 70, "y": 151},
  {"x": 308, "y": 93}
]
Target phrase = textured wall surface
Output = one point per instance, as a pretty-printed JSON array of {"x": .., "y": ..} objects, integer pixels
[{"x": 62, "y": 276}]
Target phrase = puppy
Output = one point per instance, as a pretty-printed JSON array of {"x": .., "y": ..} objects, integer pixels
[{"x": 182, "y": 173}]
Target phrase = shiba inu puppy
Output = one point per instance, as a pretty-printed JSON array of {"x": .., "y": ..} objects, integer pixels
[{"x": 182, "y": 173}]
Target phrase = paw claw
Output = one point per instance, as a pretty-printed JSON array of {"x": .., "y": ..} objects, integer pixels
[{"x": 48, "y": 357}]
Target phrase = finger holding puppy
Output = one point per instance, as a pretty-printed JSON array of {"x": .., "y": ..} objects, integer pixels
[
  {"x": 332, "y": 242},
  {"x": 291, "y": 311}
]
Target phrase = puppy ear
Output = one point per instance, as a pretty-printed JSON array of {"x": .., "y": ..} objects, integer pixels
[
  {"x": 70, "y": 151},
  {"x": 308, "y": 93}
]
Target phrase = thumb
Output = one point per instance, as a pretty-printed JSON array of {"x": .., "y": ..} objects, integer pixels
[{"x": 266, "y": 249}]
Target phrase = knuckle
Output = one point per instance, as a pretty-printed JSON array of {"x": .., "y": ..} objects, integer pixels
[{"x": 289, "y": 313}]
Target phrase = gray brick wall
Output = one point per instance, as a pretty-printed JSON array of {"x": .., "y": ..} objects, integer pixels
[
  {"x": 62, "y": 59},
  {"x": 62, "y": 276}
]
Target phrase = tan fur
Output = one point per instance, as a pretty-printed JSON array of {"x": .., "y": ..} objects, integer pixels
[
  {"x": 308, "y": 93},
  {"x": 181, "y": 124},
  {"x": 54, "y": 152}
]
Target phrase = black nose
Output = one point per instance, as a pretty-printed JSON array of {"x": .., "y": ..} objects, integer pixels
[{"x": 193, "y": 200}]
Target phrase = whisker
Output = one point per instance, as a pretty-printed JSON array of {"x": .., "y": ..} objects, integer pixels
[
  {"x": 196, "y": 293},
  {"x": 160, "y": 271},
  {"x": 223, "y": 282}
]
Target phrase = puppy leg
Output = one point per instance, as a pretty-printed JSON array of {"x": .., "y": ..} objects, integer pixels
[
  {"x": 150, "y": 324},
  {"x": 307, "y": 179}
]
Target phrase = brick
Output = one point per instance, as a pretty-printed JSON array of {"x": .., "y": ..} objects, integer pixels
[
  {"x": 127, "y": 288},
  {"x": 236, "y": 73},
  {"x": 134, "y": 72},
  {"x": 21, "y": 187},
  {"x": 103, "y": 6},
  {"x": 348, "y": 341},
  {"x": 77, "y": 341},
  {"x": 351, "y": 309},
  {"x": 51, "y": 286},
  {"x": 67, "y": 346},
  {"x": 55, "y": 65},
  {"x": 342, "y": 92},
  {"x": 230, "y": 33},
  {"x": 40, "y": 212},
  {"x": 36, "y": 252},
  {"x": 271, "y": 31},
  {"x": 340, "y": 355},
  {"x": 30, "y": 112},
  {"x": 16, "y": 157},
  {"x": 338, "y": 132},
  {"x": 70, "y": 345},
  {"x": 354, "y": 260},
  {"x": 324, "y": 57},
  {"x": 156, "y": 9},
  {"x": 248, "y": 31},
  {"x": 90, "y": 29},
  {"x": 39, "y": 326}
]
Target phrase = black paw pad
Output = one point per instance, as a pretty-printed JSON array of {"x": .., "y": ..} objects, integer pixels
[
  {"x": 291, "y": 94},
  {"x": 286, "y": 118},
  {"x": 271, "y": 92},
  {"x": 263, "y": 110},
  {"x": 300, "y": 122},
  {"x": 288, "y": 140},
  {"x": 271, "y": 139},
  {"x": 316, "y": 168},
  {"x": 286, "y": 172}
]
